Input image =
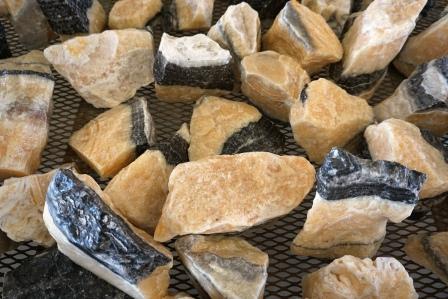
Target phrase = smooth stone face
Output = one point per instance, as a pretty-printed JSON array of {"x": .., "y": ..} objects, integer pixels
[
  {"x": 133, "y": 13},
  {"x": 175, "y": 150},
  {"x": 29, "y": 23},
  {"x": 220, "y": 126},
  {"x": 351, "y": 277},
  {"x": 188, "y": 67},
  {"x": 354, "y": 200},
  {"x": 305, "y": 36},
  {"x": 224, "y": 267},
  {"x": 4, "y": 48},
  {"x": 273, "y": 82},
  {"x": 91, "y": 232},
  {"x": 232, "y": 193},
  {"x": 68, "y": 17},
  {"x": 35, "y": 278},
  {"x": 422, "y": 99},
  {"x": 106, "y": 69},
  {"x": 327, "y": 116},
  {"x": 334, "y": 12},
  {"x": 238, "y": 30},
  {"x": 267, "y": 9},
  {"x": 139, "y": 190},
  {"x": 26, "y": 88},
  {"x": 430, "y": 251},
  {"x": 184, "y": 15},
  {"x": 435, "y": 41},
  {"x": 402, "y": 142},
  {"x": 115, "y": 138}
]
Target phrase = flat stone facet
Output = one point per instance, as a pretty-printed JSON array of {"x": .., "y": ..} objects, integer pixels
[
  {"x": 184, "y": 15},
  {"x": 273, "y": 82},
  {"x": 232, "y": 193},
  {"x": 422, "y": 99},
  {"x": 327, "y": 116},
  {"x": 133, "y": 13},
  {"x": 267, "y": 9},
  {"x": 351, "y": 277},
  {"x": 399, "y": 141},
  {"x": 335, "y": 13},
  {"x": 305, "y": 36},
  {"x": 106, "y": 69},
  {"x": 224, "y": 267}
]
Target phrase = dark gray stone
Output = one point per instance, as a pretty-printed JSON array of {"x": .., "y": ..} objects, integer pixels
[{"x": 142, "y": 124}]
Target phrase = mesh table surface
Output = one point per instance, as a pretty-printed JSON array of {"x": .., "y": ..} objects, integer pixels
[{"x": 286, "y": 271}]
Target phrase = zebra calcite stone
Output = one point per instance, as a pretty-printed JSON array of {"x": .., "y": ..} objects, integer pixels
[
  {"x": 4, "y": 48},
  {"x": 335, "y": 13},
  {"x": 305, "y": 36},
  {"x": 422, "y": 99},
  {"x": 183, "y": 15},
  {"x": 175, "y": 150},
  {"x": 224, "y": 267},
  {"x": 267, "y": 9},
  {"x": 354, "y": 200},
  {"x": 133, "y": 13}
]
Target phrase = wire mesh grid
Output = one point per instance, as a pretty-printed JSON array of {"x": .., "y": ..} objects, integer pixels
[{"x": 285, "y": 271}]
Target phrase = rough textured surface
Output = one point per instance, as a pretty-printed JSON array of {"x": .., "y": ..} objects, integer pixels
[
  {"x": 224, "y": 267},
  {"x": 175, "y": 150},
  {"x": 238, "y": 30},
  {"x": 350, "y": 277},
  {"x": 35, "y": 278},
  {"x": 400, "y": 141},
  {"x": 305, "y": 36},
  {"x": 232, "y": 193},
  {"x": 90, "y": 231},
  {"x": 133, "y": 13},
  {"x": 422, "y": 99},
  {"x": 4, "y": 48},
  {"x": 74, "y": 16},
  {"x": 430, "y": 44},
  {"x": 115, "y": 138},
  {"x": 139, "y": 190},
  {"x": 327, "y": 116},
  {"x": 106, "y": 69},
  {"x": 220, "y": 126},
  {"x": 188, "y": 67},
  {"x": 430, "y": 251},
  {"x": 334, "y": 12},
  {"x": 26, "y": 89},
  {"x": 273, "y": 82},
  {"x": 354, "y": 200},
  {"x": 183, "y": 15},
  {"x": 266, "y": 8}
]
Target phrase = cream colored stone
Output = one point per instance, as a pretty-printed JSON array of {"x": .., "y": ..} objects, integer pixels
[
  {"x": 272, "y": 82},
  {"x": 335, "y": 12},
  {"x": 305, "y": 36},
  {"x": 107, "y": 68},
  {"x": 399, "y": 141},
  {"x": 352, "y": 278},
  {"x": 326, "y": 116},
  {"x": 232, "y": 193},
  {"x": 192, "y": 14},
  {"x": 133, "y": 13},
  {"x": 185, "y": 94}
]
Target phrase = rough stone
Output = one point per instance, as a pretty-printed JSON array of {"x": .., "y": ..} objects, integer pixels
[
  {"x": 273, "y": 82},
  {"x": 351, "y": 277},
  {"x": 224, "y": 267},
  {"x": 354, "y": 200},
  {"x": 232, "y": 193},
  {"x": 327, "y": 116},
  {"x": 402, "y": 142},
  {"x": 422, "y": 99},
  {"x": 267, "y": 9},
  {"x": 335, "y": 13},
  {"x": 26, "y": 89},
  {"x": 184, "y": 15},
  {"x": 305, "y": 36},
  {"x": 106, "y": 69},
  {"x": 133, "y": 13},
  {"x": 175, "y": 150}
]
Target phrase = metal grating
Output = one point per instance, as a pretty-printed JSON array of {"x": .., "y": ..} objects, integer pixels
[{"x": 286, "y": 271}]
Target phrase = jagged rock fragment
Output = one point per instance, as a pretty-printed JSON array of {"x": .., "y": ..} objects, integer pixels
[
  {"x": 430, "y": 251},
  {"x": 91, "y": 232},
  {"x": 189, "y": 67},
  {"x": 305, "y": 36},
  {"x": 354, "y": 200},
  {"x": 68, "y": 17},
  {"x": 335, "y": 13},
  {"x": 224, "y": 267},
  {"x": 232, "y": 193},
  {"x": 351, "y": 277},
  {"x": 26, "y": 89},
  {"x": 115, "y": 138},
  {"x": 272, "y": 82},
  {"x": 402, "y": 142},
  {"x": 372, "y": 42},
  {"x": 175, "y": 150},
  {"x": 106, "y": 69},
  {"x": 183, "y": 15},
  {"x": 422, "y": 99},
  {"x": 327, "y": 116},
  {"x": 220, "y": 126},
  {"x": 133, "y": 13},
  {"x": 4, "y": 48},
  {"x": 267, "y": 9}
]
